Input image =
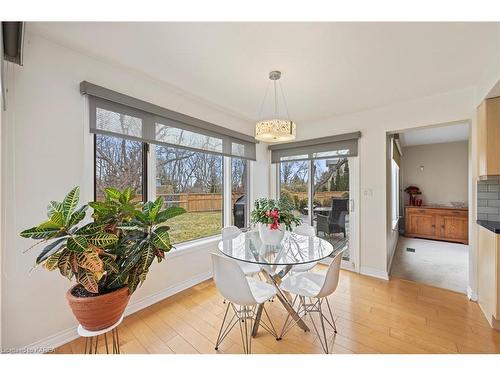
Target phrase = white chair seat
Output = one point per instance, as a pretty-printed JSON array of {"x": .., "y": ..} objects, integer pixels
[
  {"x": 306, "y": 284},
  {"x": 304, "y": 267},
  {"x": 261, "y": 291},
  {"x": 249, "y": 269}
]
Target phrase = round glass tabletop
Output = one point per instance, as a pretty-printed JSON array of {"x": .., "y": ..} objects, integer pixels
[{"x": 293, "y": 249}]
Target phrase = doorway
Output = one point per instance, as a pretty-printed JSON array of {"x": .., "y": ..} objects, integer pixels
[{"x": 429, "y": 204}]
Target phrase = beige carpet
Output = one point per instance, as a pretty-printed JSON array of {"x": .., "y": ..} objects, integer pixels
[{"x": 435, "y": 263}]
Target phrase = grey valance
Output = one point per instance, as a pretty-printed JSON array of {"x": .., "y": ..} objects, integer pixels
[
  {"x": 116, "y": 114},
  {"x": 342, "y": 145}
]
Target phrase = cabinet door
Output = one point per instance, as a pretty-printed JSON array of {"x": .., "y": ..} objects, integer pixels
[
  {"x": 454, "y": 228},
  {"x": 488, "y": 125},
  {"x": 481, "y": 139},
  {"x": 486, "y": 272},
  {"x": 422, "y": 224}
]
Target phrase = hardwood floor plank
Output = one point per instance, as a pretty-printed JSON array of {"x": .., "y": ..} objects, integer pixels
[{"x": 372, "y": 316}]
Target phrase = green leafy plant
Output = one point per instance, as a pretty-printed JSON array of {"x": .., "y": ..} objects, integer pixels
[
  {"x": 116, "y": 249},
  {"x": 275, "y": 213}
]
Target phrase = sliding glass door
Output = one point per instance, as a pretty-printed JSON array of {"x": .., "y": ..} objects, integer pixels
[
  {"x": 294, "y": 182},
  {"x": 324, "y": 192},
  {"x": 332, "y": 202}
]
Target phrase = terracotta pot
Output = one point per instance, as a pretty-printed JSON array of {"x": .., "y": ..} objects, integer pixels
[{"x": 99, "y": 312}]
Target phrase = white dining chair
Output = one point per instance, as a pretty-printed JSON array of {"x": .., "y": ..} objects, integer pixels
[
  {"x": 304, "y": 230},
  {"x": 230, "y": 232},
  {"x": 316, "y": 287},
  {"x": 243, "y": 294}
]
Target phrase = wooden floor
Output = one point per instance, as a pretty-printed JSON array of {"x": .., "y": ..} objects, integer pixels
[{"x": 372, "y": 315}]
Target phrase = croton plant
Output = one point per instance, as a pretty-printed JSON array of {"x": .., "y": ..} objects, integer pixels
[{"x": 115, "y": 250}]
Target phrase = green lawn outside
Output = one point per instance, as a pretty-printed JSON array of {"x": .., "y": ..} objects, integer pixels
[{"x": 194, "y": 225}]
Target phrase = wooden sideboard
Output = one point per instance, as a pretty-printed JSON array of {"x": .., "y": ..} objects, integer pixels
[{"x": 437, "y": 223}]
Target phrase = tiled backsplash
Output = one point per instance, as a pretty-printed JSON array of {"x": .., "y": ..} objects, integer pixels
[{"x": 488, "y": 200}]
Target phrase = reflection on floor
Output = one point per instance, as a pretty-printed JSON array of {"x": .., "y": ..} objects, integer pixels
[{"x": 436, "y": 263}]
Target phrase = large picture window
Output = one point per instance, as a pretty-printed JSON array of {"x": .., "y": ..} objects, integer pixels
[
  {"x": 191, "y": 180},
  {"x": 119, "y": 163}
]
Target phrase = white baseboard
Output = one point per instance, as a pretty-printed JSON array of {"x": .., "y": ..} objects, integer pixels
[
  {"x": 471, "y": 294},
  {"x": 50, "y": 343},
  {"x": 373, "y": 272},
  {"x": 392, "y": 258},
  {"x": 494, "y": 323},
  {"x": 69, "y": 334}
]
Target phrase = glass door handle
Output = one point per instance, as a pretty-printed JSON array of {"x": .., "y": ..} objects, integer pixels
[{"x": 351, "y": 205}]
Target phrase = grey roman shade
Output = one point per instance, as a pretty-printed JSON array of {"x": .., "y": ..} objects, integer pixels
[
  {"x": 342, "y": 145},
  {"x": 119, "y": 115}
]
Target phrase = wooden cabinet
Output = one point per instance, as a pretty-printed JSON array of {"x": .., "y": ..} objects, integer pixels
[
  {"x": 438, "y": 223},
  {"x": 488, "y": 282},
  {"x": 488, "y": 135},
  {"x": 420, "y": 222}
]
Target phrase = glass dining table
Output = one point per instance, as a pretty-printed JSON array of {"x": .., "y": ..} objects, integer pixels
[{"x": 276, "y": 261}]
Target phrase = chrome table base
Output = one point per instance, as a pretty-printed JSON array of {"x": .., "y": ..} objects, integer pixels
[{"x": 283, "y": 297}]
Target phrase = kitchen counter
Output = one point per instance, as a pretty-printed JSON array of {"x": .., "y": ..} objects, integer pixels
[{"x": 493, "y": 226}]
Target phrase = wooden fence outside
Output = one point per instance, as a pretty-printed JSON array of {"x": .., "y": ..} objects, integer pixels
[
  {"x": 197, "y": 202},
  {"x": 320, "y": 195}
]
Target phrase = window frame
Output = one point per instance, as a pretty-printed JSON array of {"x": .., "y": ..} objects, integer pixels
[
  {"x": 152, "y": 190},
  {"x": 144, "y": 157},
  {"x": 149, "y": 185},
  {"x": 228, "y": 185},
  {"x": 395, "y": 199}
]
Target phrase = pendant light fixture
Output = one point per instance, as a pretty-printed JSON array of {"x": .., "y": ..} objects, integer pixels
[{"x": 275, "y": 129}]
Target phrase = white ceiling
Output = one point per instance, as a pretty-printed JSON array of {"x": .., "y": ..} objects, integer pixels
[
  {"x": 442, "y": 134},
  {"x": 328, "y": 68}
]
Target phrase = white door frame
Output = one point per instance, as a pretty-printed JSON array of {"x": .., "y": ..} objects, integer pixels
[
  {"x": 472, "y": 168},
  {"x": 353, "y": 263}
]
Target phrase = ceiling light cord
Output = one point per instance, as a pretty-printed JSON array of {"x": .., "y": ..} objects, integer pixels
[
  {"x": 264, "y": 100},
  {"x": 284, "y": 101},
  {"x": 276, "y": 109}
]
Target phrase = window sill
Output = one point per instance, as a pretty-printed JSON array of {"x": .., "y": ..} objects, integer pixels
[{"x": 190, "y": 246}]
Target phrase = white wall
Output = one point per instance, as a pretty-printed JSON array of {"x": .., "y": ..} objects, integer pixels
[
  {"x": 445, "y": 175},
  {"x": 45, "y": 145},
  {"x": 374, "y": 125}
]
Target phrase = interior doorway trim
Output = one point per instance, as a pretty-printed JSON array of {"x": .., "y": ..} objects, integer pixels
[{"x": 471, "y": 195}]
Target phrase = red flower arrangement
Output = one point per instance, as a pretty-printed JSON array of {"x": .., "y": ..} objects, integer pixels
[
  {"x": 274, "y": 213},
  {"x": 275, "y": 217}
]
